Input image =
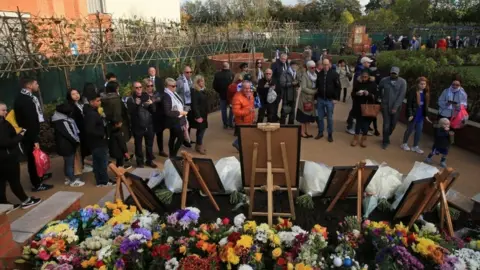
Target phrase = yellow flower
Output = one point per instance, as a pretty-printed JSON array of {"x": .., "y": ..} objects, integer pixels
[
  {"x": 276, "y": 253},
  {"x": 276, "y": 240},
  {"x": 111, "y": 206},
  {"x": 133, "y": 209},
  {"x": 182, "y": 249},
  {"x": 156, "y": 235},
  {"x": 84, "y": 264},
  {"x": 163, "y": 226},
  {"x": 149, "y": 244},
  {"x": 424, "y": 246},
  {"x": 245, "y": 241},
  {"x": 290, "y": 266},
  {"x": 232, "y": 257},
  {"x": 96, "y": 206},
  {"x": 250, "y": 226},
  {"x": 258, "y": 257},
  {"x": 103, "y": 267},
  {"x": 116, "y": 212},
  {"x": 302, "y": 266}
]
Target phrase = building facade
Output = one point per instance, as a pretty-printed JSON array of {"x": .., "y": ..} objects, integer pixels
[
  {"x": 47, "y": 8},
  {"x": 161, "y": 10}
]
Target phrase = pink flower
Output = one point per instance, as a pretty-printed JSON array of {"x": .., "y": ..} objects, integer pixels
[
  {"x": 225, "y": 221},
  {"x": 43, "y": 255}
]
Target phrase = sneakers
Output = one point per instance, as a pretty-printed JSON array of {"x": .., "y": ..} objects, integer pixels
[
  {"x": 377, "y": 133},
  {"x": 417, "y": 150},
  {"x": 350, "y": 131},
  {"x": 236, "y": 146},
  {"x": 77, "y": 183},
  {"x": 443, "y": 164},
  {"x": 30, "y": 202},
  {"x": 87, "y": 168},
  {"x": 385, "y": 146},
  {"x": 67, "y": 182},
  {"x": 369, "y": 133},
  {"x": 108, "y": 184},
  {"x": 320, "y": 135},
  {"x": 42, "y": 187},
  {"x": 428, "y": 160},
  {"x": 405, "y": 147}
]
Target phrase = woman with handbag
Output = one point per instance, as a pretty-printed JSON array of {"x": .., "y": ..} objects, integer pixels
[
  {"x": 306, "y": 109},
  {"x": 364, "y": 108},
  {"x": 418, "y": 99}
]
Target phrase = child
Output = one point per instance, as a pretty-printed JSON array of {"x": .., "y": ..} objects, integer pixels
[
  {"x": 442, "y": 142},
  {"x": 96, "y": 140},
  {"x": 118, "y": 146},
  {"x": 67, "y": 140}
]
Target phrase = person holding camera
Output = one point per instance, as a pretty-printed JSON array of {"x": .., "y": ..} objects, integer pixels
[
  {"x": 10, "y": 164},
  {"x": 289, "y": 82}
]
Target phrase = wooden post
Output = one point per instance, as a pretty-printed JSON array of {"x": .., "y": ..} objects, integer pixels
[
  {"x": 252, "y": 179},
  {"x": 359, "y": 193},
  {"x": 186, "y": 176},
  {"x": 120, "y": 178},
  {"x": 287, "y": 179}
]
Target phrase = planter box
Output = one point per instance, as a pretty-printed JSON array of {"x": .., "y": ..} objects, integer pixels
[{"x": 466, "y": 138}]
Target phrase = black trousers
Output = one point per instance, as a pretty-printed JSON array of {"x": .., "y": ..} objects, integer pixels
[
  {"x": 269, "y": 110},
  {"x": 344, "y": 94},
  {"x": 159, "y": 134},
  {"x": 175, "y": 141},
  {"x": 28, "y": 147},
  {"x": 149, "y": 136},
  {"x": 120, "y": 162},
  {"x": 10, "y": 172},
  {"x": 290, "y": 115}
]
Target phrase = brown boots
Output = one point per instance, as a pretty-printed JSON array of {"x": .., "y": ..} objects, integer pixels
[
  {"x": 363, "y": 141},
  {"x": 199, "y": 148}
]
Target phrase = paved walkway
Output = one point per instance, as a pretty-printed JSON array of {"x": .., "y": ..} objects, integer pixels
[{"x": 218, "y": 144}]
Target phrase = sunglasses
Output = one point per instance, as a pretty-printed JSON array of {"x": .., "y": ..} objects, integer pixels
[
  {"x": 188, "y": 72},
  {"x": 268, "y": 73},
  {"x": 150, "y": 85},
  {"x": 138, "y": 87}
]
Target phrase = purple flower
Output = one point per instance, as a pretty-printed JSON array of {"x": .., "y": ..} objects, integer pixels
[
  {"x": 146, "y": 233},
  {"x": 119, "y": 264},
  {"x": 118, "y": 229},
  {"x": 172, "y": 219},
  {"x": 449, "y": 263},
  {"x": 405, "y": 258},
  {"x": 128, "y": 245}
]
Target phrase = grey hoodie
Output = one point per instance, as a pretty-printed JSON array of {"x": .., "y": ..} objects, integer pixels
[
  {"x": 392, "y": 94},
  {"x": 69, "y": 124}
]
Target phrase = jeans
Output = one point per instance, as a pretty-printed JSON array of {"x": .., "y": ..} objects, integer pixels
[
  {"x": 100, "y": 164},
  {"x": 68, "y": 167},
  {"x": 325, "y": 106},
  {"x": 148, "y": 135},
  {"x": 28, "y": 147},
  {"x": 416, "y": 126},
  {"x": 175, "y": 141},
  {"x": 389, "y": 123},
  {"x": 227, "y": 119},
  {"x": 200, "y": 134},
  {"x": 362, "y": 125},
  {"x": 10, "y": 172}
]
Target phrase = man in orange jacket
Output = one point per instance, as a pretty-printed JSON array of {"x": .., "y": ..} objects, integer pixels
[{"x": 243, "y": 108}]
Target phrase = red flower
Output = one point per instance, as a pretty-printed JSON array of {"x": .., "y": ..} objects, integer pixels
[
  {"x": 135, "y": 224},
  {"x": 234, "y": 237},
  {"x": 281, "y": 261},
  {"x": 225, "y": 221},
  {"x": 162, "y": 252},
  {"x": 468, "y": 239},
  {"x": 99, "y": 264},
  {"x": 34, "y": 244},
  {"x": 192, "y": 233}
]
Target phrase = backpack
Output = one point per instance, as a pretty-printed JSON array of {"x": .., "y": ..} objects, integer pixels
[{"x": 13, "y": 121}]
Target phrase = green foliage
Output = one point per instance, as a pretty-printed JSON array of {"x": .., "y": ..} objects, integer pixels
[
  {"x": 126, "y": 90},
  {"x": 474, "y": 59},
  {"x": 346, "y": 17}
]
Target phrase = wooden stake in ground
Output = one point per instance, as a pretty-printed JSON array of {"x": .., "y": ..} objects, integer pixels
[
  {"x": 347, "y": 186},
  {"x": 187, "y": 165},
  {"x": 120, "y": 178},
  {"x": 268, "y": 128}
]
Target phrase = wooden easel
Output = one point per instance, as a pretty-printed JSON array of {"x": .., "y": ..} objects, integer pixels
[
  {"x": 268, "y": 128},
  {"x": 439, "y": 186},
  {"x": 187, "y": 165},
  {"x": 347, "y": 186},
  {"x": 120, "y": 178}
]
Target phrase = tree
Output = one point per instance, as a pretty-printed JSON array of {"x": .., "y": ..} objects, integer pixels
[{"x": 347, "y": 17}]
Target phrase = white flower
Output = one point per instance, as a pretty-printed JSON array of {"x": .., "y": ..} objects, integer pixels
[
  {"x": 223, "y": 241},
  {"x": 429, "y": 228},
  {"x": 170, "y": 240},
  {"x": 470, "y": 257},
  {"x": 245, "y": 267},
  {"x": 219, "y": 221},
  {"x": 193, "y": 209},
  {"x": 356, "y": 233},
  {"x": 296, "y": 229},
  {"x": 239, "y": 219},
  {"x": 171, "y": 264},
  {"x": 287, "y": 238},
  {"x": 104, "y": 252}
]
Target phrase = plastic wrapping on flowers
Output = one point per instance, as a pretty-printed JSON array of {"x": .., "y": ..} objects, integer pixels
[{"x": 117, "y": 236}]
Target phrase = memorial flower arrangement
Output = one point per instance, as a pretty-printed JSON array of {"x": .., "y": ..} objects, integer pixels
[{"x": 118, "y": 236}]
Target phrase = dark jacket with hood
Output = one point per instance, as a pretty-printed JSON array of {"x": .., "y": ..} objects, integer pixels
[
  {"x": 221, "y": 81},
  {"x": 27, "y": 117},
  {"x": 95, "y": 132},
  {"x": 9, "y": 142},
  {"x": 141, "y": 115},
  {"x": 115, "y": 110},
  {"x": 66, "y": 131},
  {"x": 328, "y": 85}
]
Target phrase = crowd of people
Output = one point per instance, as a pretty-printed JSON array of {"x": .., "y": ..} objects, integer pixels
[
  {"x": 99, "y": 122},
  {"x": 415, "y": 43}
]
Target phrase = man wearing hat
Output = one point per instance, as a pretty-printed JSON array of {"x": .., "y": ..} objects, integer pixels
[{"x": 392, "y": 90}]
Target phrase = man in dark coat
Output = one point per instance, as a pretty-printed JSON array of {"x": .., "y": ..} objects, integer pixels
[
  {"x": 281, "y": 65},
  {"x": 221, "y": 81},
  {"x": 141, "y": 107},
  {"x": 115, "y": 109},
  {"x": 289, "y": 84},
  {"x": 329, "y": 87},
  {"x": 157, "y": 81},
  {"x": 29, "y": 115}
]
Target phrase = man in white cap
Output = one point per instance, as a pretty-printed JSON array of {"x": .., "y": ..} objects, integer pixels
[{"x": 392, "y": 90}]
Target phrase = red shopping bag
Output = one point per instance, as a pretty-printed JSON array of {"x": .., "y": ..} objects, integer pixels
[
  {"x": 42, "y": 162},
  {"x": 459, "y": 120}
]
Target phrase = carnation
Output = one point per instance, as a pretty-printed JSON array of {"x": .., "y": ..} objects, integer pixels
[
  {"x": 171, "y": 264},
  {"x": 287, "y": 238},
  {"x": 429, "y": 228},
  {"x": 238, "y": 220},
  {"x": 245, "y": 267}
]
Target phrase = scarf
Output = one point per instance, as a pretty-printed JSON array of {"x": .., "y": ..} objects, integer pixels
[
  {"x": 187, "y": 84},
  {"x": 313, "y": 78},
  {"x": 259, "y": 74},
  {"x": 177, "y": 104},
  {"x": 37, "y": 104},
  {"x": 450, "y": 95},
  {"x": 79, "y": 106}
]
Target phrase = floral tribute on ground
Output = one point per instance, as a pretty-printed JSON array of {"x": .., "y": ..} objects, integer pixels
[{"x": 118, "y": 236}]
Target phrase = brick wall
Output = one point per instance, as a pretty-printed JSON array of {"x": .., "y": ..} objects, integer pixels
[{"x": 9, "y": 250}]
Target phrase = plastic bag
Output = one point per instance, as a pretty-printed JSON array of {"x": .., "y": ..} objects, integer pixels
[
  {"x": 385, "y": 182},
  {"x": 230, "y": 173},
  {"x": 369, "y": 204},
  {"x": 42, "y": 162},
  {"x": 459, "y": 120},
  {"x": 419, "y": 171},
  {"x": 315, "y": 177},
  {"x": 156, "y": 177},
  {"x": 173, "y": 181}
]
